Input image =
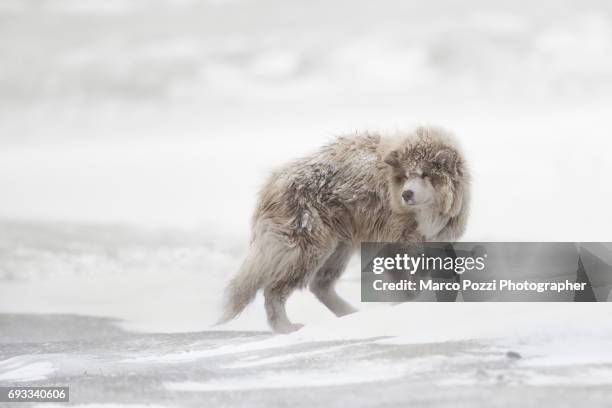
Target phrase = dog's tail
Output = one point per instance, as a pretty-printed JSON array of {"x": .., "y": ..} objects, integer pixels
[{"x": 242, "y": 288}]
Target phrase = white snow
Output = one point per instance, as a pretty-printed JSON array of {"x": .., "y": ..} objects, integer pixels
[
  {"x": 255, "y": 361},
  {"x": 341, "y": 375},
  {"x": 102, "y": 405},
  {"x": 20, "y": 369}
]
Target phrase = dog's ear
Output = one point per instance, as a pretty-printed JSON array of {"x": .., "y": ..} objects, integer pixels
[
  {"x": 393, "y": 159},
  {"x": 456, "y": 200},
  {"x": 446, "y": 159}
]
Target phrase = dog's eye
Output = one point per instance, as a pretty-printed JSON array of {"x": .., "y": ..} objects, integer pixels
[
  {"x": 424, "y": 175},
  {"x": 400, "y": 179}
]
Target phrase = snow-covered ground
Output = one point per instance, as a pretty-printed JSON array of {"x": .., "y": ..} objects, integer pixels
[
  {"x": 134, "y": 136},
  {"x": 420, "y": 354}
]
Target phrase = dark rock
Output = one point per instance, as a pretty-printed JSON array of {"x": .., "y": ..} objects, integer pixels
[{"x": 513, "y": 355}]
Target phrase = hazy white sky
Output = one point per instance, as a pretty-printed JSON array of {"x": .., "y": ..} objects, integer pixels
[{"x": 173, "y": 113}]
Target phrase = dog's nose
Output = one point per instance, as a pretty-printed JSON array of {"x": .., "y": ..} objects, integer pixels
[{"x": 408, "y": 195}]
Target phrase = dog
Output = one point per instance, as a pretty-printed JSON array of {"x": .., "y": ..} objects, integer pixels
[{"x": 313, "y": 212}]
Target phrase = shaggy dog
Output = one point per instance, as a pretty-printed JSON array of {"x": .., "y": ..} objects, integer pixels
[{"x": 314, "y": 211}]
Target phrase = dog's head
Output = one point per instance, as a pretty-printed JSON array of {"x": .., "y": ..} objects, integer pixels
[{"x": 427, "y": 169}]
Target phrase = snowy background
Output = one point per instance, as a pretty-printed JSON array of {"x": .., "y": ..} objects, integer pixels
[{"x": 134, "y": 135}]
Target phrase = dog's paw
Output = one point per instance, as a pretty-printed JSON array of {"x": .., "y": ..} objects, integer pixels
[{"x": 288, "y": 328}]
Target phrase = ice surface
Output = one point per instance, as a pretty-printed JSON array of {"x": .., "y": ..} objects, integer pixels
[{"x": 258, "y": 369}]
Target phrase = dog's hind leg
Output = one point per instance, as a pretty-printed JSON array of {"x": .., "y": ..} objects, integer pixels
[
  {"x": 322, "y": 283},
  {"x": 293, "y": 272},
  {"x": 275, "y": 299}
]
